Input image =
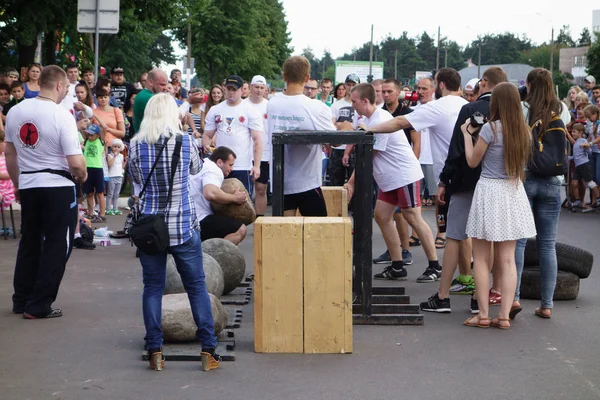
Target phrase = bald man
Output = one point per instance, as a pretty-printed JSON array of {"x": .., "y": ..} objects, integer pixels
[{"x": 157, "y": 82}]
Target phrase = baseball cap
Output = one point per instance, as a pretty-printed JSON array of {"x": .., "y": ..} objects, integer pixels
[
  {"x": 258, "y": 80},
  {"x": 352, "y": 77},
  {"x": 93, "y": 129},
  {"x": 471, "y": 84},
  {"x": 590, "y": 79},
  {"x": 234, "y": 81},
  {"x": 116, "y": 70}
]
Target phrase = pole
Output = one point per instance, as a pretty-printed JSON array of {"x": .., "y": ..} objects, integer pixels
[
  {"x": 97, "y": 39},
  {"x": 479, "y": 61},
  {"x": 188, "y": 79},
  {"x": 370, "y": 77},
  {"x": 437, "y": 56},
  {"x": 552, "y": 53},
  {"x": 396, "y": 65}
]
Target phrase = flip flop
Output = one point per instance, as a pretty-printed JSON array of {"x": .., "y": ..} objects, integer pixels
[
  {"x": 440, "y": 242},
  {"x": 540, "y": 313},
  {"x": 413, "y": 241}
]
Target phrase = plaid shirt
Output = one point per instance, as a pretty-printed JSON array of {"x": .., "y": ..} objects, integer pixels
[{"x": 180, "y": 213}]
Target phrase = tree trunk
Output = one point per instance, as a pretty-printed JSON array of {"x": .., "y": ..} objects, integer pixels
[
  {"x": 26, "y": 54},
  {"x": 49, "y": 48}
]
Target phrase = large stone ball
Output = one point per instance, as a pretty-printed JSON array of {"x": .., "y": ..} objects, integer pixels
[
  {"x": 245, "y": 212},
  {"x": 178, "y": 323},
  {"x": 215, "y": 282},
  {"x": 230, "y": 258}
]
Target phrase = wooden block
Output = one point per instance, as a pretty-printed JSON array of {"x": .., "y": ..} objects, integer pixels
[
  {"x": 327, "y": 285},
  {"x": 278, "y": 323},
  {"x": 336, "y": 200}
]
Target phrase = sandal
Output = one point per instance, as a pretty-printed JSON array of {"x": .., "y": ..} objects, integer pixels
[
  {"x": 497, "y": 322},
  {"x": 514, "y": 310},
  {"x": 540, "y": 313},
  {"x": 478, "y": 324},
  {"x": 440, "y": 242},
  {"x": 414, "y": 242}
]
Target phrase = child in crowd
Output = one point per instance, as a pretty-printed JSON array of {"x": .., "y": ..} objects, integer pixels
[
  {"x": 116, "y": 165},
  {"x": 18, "y": 94},
  {"x": 581, "y": 153},
  {"x": 500, "y": 213},
  {"x": 7, "y": 189},
  {"x": 592, "y": 113},
  {"x": 94, "y": 154}
]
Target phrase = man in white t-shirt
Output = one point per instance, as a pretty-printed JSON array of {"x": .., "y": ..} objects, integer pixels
[
  {"x": 341, "y": 165},
  {"x": 42, "y": 155},
  {"x": 398, "y": 174},
  {"x": 439, "y": 117},
  {"x": 258, "y": 87},
  {"x": 293, "y": 111},
  {"x": 205, "y": 189},
  {"x": 239, "y": 127},
  {"x": 70, "y": 99}
]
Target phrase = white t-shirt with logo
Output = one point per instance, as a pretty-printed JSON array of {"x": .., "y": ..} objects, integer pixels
[
  {"x": 43, "y": 133},
  {"x": 302, "y": 162},
  {"x": 233, "y": 125},
  {"x": 210, "y": 174},
  {"x": 425, "y": 157},
  {"x": 342, "y": 111},
  {"x": 439, "y": 117},
  {"x": 394, "y": 164},
  {"x": 261, "y": 109}
]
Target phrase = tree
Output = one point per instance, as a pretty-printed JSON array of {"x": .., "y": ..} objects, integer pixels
[
  {"x": 503, "y": 48},
  {"x": 540, "y": 57},
  {"x": 564, "y": 38},
  {"x": 585, "y": 38},
  {"x": 428, "y": 51},
  {"x": 593, "y": 57},
  {"x": 455, "y": 57}
]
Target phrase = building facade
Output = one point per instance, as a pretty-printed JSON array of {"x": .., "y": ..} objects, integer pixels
[{"x": 574, "y": 61}]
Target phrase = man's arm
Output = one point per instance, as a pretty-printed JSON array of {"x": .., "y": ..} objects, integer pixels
[
  {"x": 206, "y": 138},
  {"x": 391, "y": 126},
  {"x": 214, "y": 194},
  {"x": 258, "y": 148},
  {"x": 12, "y": 163},
  {"x": 415, "y": 138},
  {"x": 77, "y": 166}
]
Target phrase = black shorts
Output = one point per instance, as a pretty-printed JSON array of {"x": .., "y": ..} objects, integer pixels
[
  {"x": 310, "y": 203},
  {"x": 94, "y": 182},
  {"x": 583, "y": 172},
  {"x": 216, "y": 226},
  {"x": 264, "y": 173}
]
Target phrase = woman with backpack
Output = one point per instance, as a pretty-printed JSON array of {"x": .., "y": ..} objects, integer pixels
[{"x": 547, "y": 116}]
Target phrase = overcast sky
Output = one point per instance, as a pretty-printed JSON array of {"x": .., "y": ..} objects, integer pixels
[{"x": 340, "y": 25}]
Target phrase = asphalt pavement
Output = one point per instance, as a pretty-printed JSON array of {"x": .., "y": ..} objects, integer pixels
[{"x": 93, "y": 351}]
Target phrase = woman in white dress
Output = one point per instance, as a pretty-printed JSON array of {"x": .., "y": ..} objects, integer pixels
[{"x": 500, "y": 213}]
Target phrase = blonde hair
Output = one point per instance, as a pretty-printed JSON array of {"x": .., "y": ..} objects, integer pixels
[
  {"x": 160, "y": 116},
  {"x": 568, "y": 99}
]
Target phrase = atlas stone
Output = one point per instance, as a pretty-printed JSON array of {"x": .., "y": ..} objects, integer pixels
[
  {"x": 215, "y": 283},
  {"x": 245, "y": 212},
  {"x": 178, "y": 323},
  {"x": 231, "y": 260}
]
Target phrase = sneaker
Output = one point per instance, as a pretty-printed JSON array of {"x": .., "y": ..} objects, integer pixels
[
  {"x": 430, "y": 275},
  {"x": 392, "y": 274},
  {"x": 110, "y": 212},
  {"x": 435, "y": 304},
  {"x": 209, "y": 361},
  {"x": 117, "y": 212},
  {"x": 495, "y": 298},
  {"x": 80, "y": 243},
  {"x": 383, "y": 259},
  {"x": 576, "y": 204},
  {"x": 462, "y": 286},
  {"x": 406, "y": 257},
  {"x": 474, "y": 305},
  {"x": 587, "y": 210},
  {"x": 54, "y": 313}
]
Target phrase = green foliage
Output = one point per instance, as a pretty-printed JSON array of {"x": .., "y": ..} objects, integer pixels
[
  {"x": 503, "y": 48},
  {"x": 585, "y": 38},
  {"x": 593, "y": 57},
  {"x": 564, "y": 37},
  {"x": 540, "y": 57}
]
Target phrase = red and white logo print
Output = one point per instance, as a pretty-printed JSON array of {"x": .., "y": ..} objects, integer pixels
[{"x": 29, "y": 135}]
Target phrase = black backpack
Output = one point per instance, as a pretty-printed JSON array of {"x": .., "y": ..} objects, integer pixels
[
  {"x": 86, "y": 232},
  {"x": 549, "y": 156}
]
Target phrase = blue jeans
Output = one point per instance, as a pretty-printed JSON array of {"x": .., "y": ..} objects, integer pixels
[
  {"x": 188, "y": 258},
  {"x": 244, "y": 177},
  {"x": 544, "y": 197},
  {"x": 595, "y": 165}
]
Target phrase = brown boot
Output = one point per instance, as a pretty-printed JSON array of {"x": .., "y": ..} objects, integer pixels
[
  {"x": 157, "y": 361},
  {"x": 209, "y": 361}
]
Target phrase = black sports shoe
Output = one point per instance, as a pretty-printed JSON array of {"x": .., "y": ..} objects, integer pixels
[
  {"x": 392, "y": 274},
  {"x": 55, "y": 313},
  {"x": 383, "y": 259},
  {"x": 430, "y": 275},
  {"x": 474, "y": 305},
  {"x": 80, "y": 243},
  {"x": 435, "y": 304}
]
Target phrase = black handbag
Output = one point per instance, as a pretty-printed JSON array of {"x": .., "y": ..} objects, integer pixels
[{"x": 150, "y": 233}]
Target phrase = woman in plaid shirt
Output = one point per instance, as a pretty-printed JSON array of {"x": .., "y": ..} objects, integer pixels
[{"x": 161, "y": 125}]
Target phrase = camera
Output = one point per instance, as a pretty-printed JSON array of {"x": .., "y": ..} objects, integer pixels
[
  {"x": 523, "y": 92},
  {"x": 409, "y": 96},
  {"x": 478, "y": 119}
]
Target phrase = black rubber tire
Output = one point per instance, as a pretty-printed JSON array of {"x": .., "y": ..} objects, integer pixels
[
  {"x": 567, "y": 285},
  {"x": 570, "y": 258}
]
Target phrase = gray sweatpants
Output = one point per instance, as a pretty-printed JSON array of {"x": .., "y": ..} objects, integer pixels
[{"x": 112, "y": 194}]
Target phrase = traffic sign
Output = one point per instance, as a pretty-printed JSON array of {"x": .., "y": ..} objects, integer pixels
[{"x": 107, "y": 16}]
